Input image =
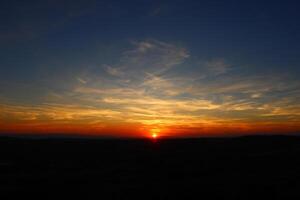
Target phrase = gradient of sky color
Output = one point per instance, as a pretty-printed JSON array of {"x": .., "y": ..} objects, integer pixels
[{"x": 134, "y": 68}]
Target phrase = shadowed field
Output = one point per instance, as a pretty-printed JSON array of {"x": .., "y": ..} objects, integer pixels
[{"x": 231, "y": 168}]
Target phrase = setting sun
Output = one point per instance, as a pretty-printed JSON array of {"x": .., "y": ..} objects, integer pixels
[
  {"x": 154, "y": 135},
  {"x": 154, "y": 132}
]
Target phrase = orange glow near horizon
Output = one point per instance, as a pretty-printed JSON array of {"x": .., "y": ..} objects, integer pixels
[
  {"x": 146, "y": 118},
  {"x": 140, "y": 131}
]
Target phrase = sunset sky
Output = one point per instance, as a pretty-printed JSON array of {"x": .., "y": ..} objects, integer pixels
[{"x": 137, "y": 68}]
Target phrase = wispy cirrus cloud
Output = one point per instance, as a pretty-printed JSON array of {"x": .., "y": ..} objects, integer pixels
[
  {"x": 149, "y": 56},
  {"x": 144, "y": 87},
  {"x": 216, "y": 66}
]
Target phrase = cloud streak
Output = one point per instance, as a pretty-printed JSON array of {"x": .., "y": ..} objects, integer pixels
[{"x": 144, "y": 88}]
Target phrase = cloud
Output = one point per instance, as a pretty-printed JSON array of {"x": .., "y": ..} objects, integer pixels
[
  {"x": 114, "y": 71},
  {"x": 123, "y": 92},
  {"x": 153, "y": 96},
  {"x": 81, "y": 80},
  {"x": 55, "y": 112},
  {"x": 217, "y": 66},
  {"x": 187, "y": 105},
  {"x": 142, "y": 88},
  {"x": 152, "y": 56},
  {"x": 256, "y": 95},
  {"x": 161, "y": 85},
  {"x": 214, "y": 67}
]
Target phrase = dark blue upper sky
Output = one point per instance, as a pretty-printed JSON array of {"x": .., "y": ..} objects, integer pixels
[
  {"x": 256, "y": 32},
  {"x": 38, "y": 36}
]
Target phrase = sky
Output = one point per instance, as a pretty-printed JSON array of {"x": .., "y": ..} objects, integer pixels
[{"x": 137, "y": 68}]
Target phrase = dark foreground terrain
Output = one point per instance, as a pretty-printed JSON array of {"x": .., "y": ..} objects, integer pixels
[{"x": 231, "y": 168}]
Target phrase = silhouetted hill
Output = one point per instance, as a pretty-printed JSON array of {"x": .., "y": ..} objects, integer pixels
[{"x": 226, "y": 168}]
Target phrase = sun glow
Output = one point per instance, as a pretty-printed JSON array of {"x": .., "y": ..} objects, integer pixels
[{"x": 154, "y": 135}]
